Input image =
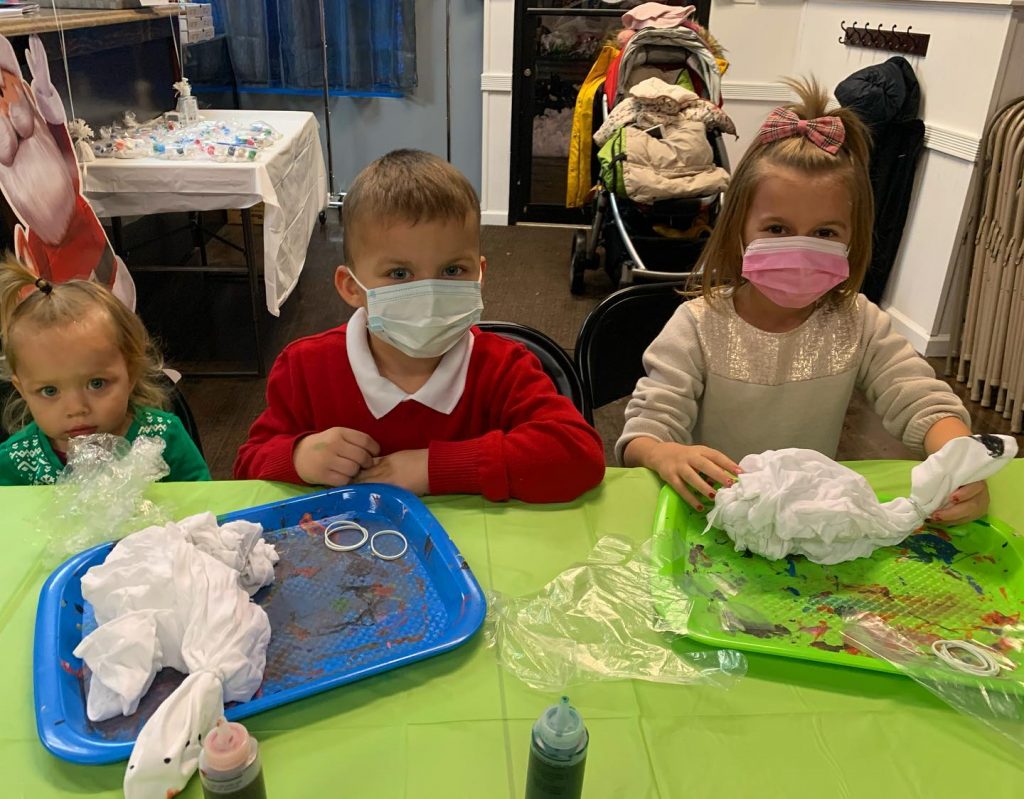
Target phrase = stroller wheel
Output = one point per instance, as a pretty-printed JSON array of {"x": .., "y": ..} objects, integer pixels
[{"x": 578, "y": 262}]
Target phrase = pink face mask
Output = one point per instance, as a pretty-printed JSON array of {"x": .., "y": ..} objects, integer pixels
[{"x": 795, "y": 271}]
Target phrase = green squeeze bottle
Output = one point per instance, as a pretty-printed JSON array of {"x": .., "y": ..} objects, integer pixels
[{"x": 558, "y": 754}]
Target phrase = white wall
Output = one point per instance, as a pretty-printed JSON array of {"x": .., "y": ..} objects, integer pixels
[
  {"x": 958, "y": 78},
  {"x": 975, "y": 64},
  {"x": 760, "y": 38}
]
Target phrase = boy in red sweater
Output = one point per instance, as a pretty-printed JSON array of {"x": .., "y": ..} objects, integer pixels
[{"x": 408, "y": 392}]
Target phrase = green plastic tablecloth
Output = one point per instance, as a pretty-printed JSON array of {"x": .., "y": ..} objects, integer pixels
[{"x": 458, "y": 726}]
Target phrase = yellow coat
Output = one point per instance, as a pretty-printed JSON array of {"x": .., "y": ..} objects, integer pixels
[{"x": 579, "y": 182}]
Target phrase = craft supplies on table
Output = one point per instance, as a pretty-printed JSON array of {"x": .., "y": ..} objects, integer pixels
[
  {"x": 962, "y": 583},
  {"x": 441, "y": 727},
  {"x": 289, "y": 178},
  {"x": 335, "y": 617},
  {"x": 180, "y": 135}
]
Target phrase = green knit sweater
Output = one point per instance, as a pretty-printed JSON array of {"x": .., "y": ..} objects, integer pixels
[{"x": 27, "y": 458}]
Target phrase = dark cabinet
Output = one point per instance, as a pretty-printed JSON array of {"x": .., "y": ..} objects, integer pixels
[{"x": 556, "y": 42}]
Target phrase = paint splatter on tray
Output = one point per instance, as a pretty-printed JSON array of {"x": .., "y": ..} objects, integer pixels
[
  {"x": 935, "y": 585},
  {"x": 329, "y": 612}
]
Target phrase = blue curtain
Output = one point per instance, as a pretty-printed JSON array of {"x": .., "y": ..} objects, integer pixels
[{"x": 275, "y": 44}]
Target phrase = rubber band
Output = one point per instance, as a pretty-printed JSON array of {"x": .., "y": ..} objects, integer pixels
[
  {"x": 986, "y": 665},
  {"x": 344, "y": 524},
  {"x": 379, "y": 554}
]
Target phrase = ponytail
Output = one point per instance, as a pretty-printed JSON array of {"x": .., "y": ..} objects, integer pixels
[{"x": 27, "y": 298}]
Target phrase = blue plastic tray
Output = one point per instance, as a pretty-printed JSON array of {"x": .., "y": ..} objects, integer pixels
[{"x": 335, "y": 617}]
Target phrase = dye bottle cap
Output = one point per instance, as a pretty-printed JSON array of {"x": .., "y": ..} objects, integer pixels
[
  {"x": 560, "y": 730},
  {"x": 227, "y": 748}
]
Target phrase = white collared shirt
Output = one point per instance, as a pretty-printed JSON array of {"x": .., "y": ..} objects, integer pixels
[{"x": 441, "y": 392}]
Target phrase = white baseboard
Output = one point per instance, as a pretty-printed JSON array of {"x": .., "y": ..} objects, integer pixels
[
  {"x": 494, "y": 218},
  {"x": 931, "y": 346}
]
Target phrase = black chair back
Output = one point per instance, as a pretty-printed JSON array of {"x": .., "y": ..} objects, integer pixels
[
  {"x": 6, "y": 389},
  {"x": 553, "y": 359},
  {"x": 611, "y": 343}
]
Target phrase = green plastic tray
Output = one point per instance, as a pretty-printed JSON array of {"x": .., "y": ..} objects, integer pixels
[{"x": 959, "y": 583}]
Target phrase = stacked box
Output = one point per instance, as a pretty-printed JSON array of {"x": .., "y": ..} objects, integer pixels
[{"x": 195, "y": 22}]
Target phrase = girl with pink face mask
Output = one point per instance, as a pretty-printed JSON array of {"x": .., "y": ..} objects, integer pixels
[{"x": 776, "y": 339}]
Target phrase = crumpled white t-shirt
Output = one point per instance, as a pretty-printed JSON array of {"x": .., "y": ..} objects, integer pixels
[
  {"x": 799, "y": 502},
  {"x": 176, "y": 596}
]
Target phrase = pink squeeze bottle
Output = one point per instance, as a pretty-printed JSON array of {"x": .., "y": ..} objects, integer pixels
[{"x": 229, "y": 764}]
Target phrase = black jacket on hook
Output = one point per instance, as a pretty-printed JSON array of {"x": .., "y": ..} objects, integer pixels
[{"x": 887, "y": 98}]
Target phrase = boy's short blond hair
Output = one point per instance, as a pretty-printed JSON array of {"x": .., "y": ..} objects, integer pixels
[{"x": 408, "y": 186}]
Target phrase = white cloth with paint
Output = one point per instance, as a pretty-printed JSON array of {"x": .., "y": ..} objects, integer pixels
[
  {"x": 799, "y": 502},
  {"x": 176, "y": 597}
]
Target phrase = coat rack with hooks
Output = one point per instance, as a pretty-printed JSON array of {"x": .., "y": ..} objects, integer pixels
[{"x": 906, "y": 42}]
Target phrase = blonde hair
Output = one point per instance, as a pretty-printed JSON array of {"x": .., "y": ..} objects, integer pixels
[
  {"x": 28, "y": 300},
  {"x": 720, "y": 265},
  {"x": 407, "y": 185}
]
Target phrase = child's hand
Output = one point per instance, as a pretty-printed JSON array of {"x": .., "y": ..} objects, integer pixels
[
  {"x": 684, "y": 467},
  {"x": 334, "y": 457},
  {"x": 966, "y": 504},
  {"x": 406, "y": 469}
]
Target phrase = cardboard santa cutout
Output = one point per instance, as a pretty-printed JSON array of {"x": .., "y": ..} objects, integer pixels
[{"x": 59, "y": 237}]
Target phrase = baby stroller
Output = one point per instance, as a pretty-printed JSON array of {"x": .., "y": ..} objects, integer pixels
[{"x": 662, "y": 239}]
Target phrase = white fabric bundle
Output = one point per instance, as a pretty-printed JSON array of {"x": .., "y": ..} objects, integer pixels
[
  {"x": 798, "y": 502},
  {"x": 239, "y": 545},
  {"x": 162, "y": 601}
]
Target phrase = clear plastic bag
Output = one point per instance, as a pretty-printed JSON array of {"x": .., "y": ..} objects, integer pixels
[
  {"x": 996, "y": 700},
  {"x": 604, "y": 619},
  {"x": 100, "y": 493}
]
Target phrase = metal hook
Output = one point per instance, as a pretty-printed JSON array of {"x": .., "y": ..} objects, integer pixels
[{"x": 842, "y": 27}]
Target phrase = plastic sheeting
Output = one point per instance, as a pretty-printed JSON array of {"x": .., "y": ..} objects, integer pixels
[
  {"x": 997, "y": 701},
  {"x": 100, "y": 493},
  {"x": 604, "y": 619}
]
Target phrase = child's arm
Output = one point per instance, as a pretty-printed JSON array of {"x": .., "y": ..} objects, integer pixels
[
  {"x": 968, "y": 502},
  {"x": 661, "y": 414},
  {"x": 665, "y": 403},
  {"x": 683, "y": 466},
  {"x": 903, "y": 388},
  {"x": 916, "y": 407},
  {"x": 10, "y": 475},
  {"x": 284, "y": 444},
  {"x": 540, "y": 449}
]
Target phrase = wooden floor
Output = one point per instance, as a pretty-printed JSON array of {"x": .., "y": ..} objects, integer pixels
[{"x": 526, "y": 282}]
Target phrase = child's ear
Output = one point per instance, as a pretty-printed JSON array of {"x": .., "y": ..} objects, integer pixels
[
  {"x": 17, "y": 385},
  {"x": 347, "y": 288},
  {"x": 483, "y": 267}
]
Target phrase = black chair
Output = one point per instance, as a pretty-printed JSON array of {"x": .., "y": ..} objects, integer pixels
[
  {"x": 180, "y": 408},
  {"x": 553, "y": 359},
  {"x": 176, "y": 400},
  {"x": 612, "y": 340},
  {"x": 6, "y": 389}
]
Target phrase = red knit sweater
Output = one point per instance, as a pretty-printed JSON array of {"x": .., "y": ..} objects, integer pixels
[{"x": 511, "y": 435}]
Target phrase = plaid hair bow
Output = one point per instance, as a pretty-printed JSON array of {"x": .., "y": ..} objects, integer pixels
[{"x": 827, "y": 133}]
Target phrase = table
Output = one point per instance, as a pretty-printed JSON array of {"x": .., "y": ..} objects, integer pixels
[
  {"x": 458, "y": 726},
  {"x": 45, "y": 21},
  {"x": 289, "y": 179}
]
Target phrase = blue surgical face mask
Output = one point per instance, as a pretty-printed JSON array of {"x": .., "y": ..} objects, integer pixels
[{"x": 422, "y": 318}]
